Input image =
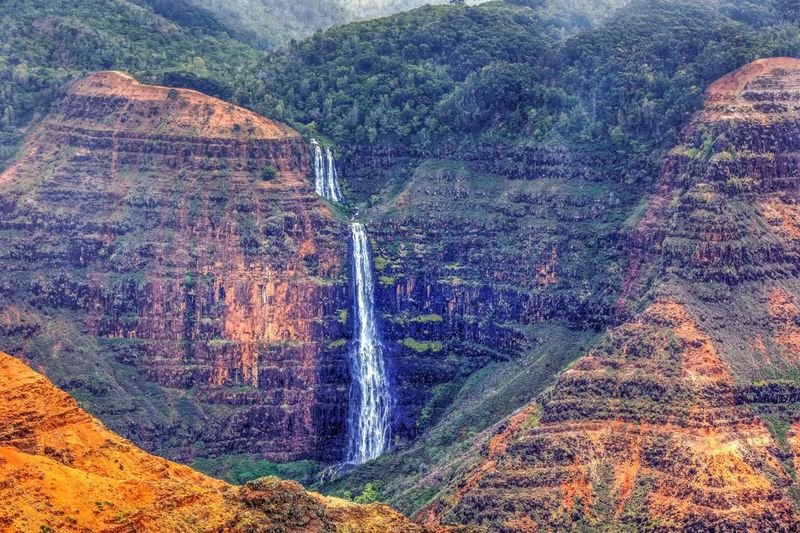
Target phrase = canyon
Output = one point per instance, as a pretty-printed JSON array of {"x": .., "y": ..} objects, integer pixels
[{"x": 468, "y": 282}]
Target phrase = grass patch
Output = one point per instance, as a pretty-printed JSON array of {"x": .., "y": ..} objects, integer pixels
[
  {"x": 338, "y": 343},
  {"x": 423, "y": 346},
  {"x": 427, "y": 319}
]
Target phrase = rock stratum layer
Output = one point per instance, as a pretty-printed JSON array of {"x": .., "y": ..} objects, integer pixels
[
  {"x": 62, "y": 470},
  {"x": 684, "y": 417},
  {"x": 167, "y": 262}
]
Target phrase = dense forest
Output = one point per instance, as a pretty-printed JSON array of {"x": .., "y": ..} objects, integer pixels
[
  {"x": 45, "y": 44},
  {"x": 269, "y": 24},
  {"x": 446, "y": 77},
  {"x": 460, "y": 75}
]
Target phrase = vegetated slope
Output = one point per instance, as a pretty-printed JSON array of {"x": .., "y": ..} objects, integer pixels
[
  {"x": 62, "y": 470},
  {"x": 467, "y": 131},
  {"x": 367, "y": 9},
  {"x": 441, "y": 75},
  {"x": 273, "y": 23},
  {"x": 398, "y": 81},
  {"x": 270, "y": 24},
  {"x": 45, "y": 44},
  {"x": 685, "y": 416},
  {"x": 167, "y": 262}
]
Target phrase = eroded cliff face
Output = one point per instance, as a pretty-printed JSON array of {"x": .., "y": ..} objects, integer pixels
[
  {"x": 477, "y": 256},
  {"x": 62, "y": 470},
  {"x": 156, "y": 270},
  {"x": 682, "y": 417}
]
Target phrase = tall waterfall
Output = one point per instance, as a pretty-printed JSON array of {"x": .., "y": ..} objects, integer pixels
[
  {"x": 370, "y": 398},
  {"x": 369, "y": 409},
  {"x": 326, "y": 182}
]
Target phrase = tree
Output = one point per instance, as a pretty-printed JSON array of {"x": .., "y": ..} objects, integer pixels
[{"x": 368, "y": 495}]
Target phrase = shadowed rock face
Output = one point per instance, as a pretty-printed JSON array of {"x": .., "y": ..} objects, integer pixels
[
  {"x": 682, "y": 417},
  {"x": 153, "y": 271},
  {"x": 63, "y": 469}
]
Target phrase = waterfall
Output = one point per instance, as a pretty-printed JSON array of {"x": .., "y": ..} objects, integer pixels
[
  {"x": 370, "y": 399},
  {"x": 326, "y": 182},
  {"x": 369, "y": 409}
]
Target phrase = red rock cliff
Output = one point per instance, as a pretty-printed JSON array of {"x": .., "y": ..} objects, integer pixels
[{"x": 159, "y": 272}]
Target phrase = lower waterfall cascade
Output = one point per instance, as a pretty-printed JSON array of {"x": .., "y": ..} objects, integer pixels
[{"x": 369, "y": 413}]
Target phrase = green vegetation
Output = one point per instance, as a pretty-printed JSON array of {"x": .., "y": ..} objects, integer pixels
[
  {"x": 46, "y": 44},
  {"x": 368, "y": 495},
  {"x": 497, "y": 72},
  {"x": 427, "y": 319},
  {"x": 271, "y": 23},
  {"x": 338, "y": 343},
  {"x": 391, "y": 75},
  {"x": 239, "y": 469},
  {"x": 423, "y": 346},
  {"x": 441, "y": 396},
  {"x": 421, "y": 79},
  {"x": 268, "y": 173}
]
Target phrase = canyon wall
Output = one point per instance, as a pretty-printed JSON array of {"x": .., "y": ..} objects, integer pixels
[
  {"x": 478, "y": 254},
  {"x": 683, "y": 417},
  {"x": 167, "y": 262}
]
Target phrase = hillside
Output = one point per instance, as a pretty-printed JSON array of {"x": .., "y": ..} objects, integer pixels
[
  {"x": 515, "y": 165},
  {"x": 270, "y": 24},
  {"x": 684, "y": 417},
  {"x": 62, "y": 470}
]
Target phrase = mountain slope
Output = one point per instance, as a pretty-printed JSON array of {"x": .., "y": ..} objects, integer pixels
[
  {"x": 681, "y": 418},
  {"x": 273, "y": 23},
  {"x": 62, "y": 470},
  {"x": 168, "y": 262},
  {"x": 500, "y": 254}
]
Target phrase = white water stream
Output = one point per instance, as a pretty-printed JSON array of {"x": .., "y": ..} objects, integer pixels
[
  {"x": 326, "y": 182},
  {"x": 370, "y": 398}
]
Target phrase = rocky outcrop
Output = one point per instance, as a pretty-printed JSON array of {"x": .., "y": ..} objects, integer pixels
[
  {"x": 62, "y": 470},
  {"x": 154, "y": 268},
  {"x": 680, "y": 418}
]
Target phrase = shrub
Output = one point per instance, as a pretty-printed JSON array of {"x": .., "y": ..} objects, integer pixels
[{"x": 268, "y": 173}]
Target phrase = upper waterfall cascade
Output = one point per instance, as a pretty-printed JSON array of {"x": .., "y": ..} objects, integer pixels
[{"x": 326, "y": 181}]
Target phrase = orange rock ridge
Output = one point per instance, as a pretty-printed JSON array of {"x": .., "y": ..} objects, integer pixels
[
  {"x": 143, "y": 213},
  {"x": 62, "y": 469}
]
